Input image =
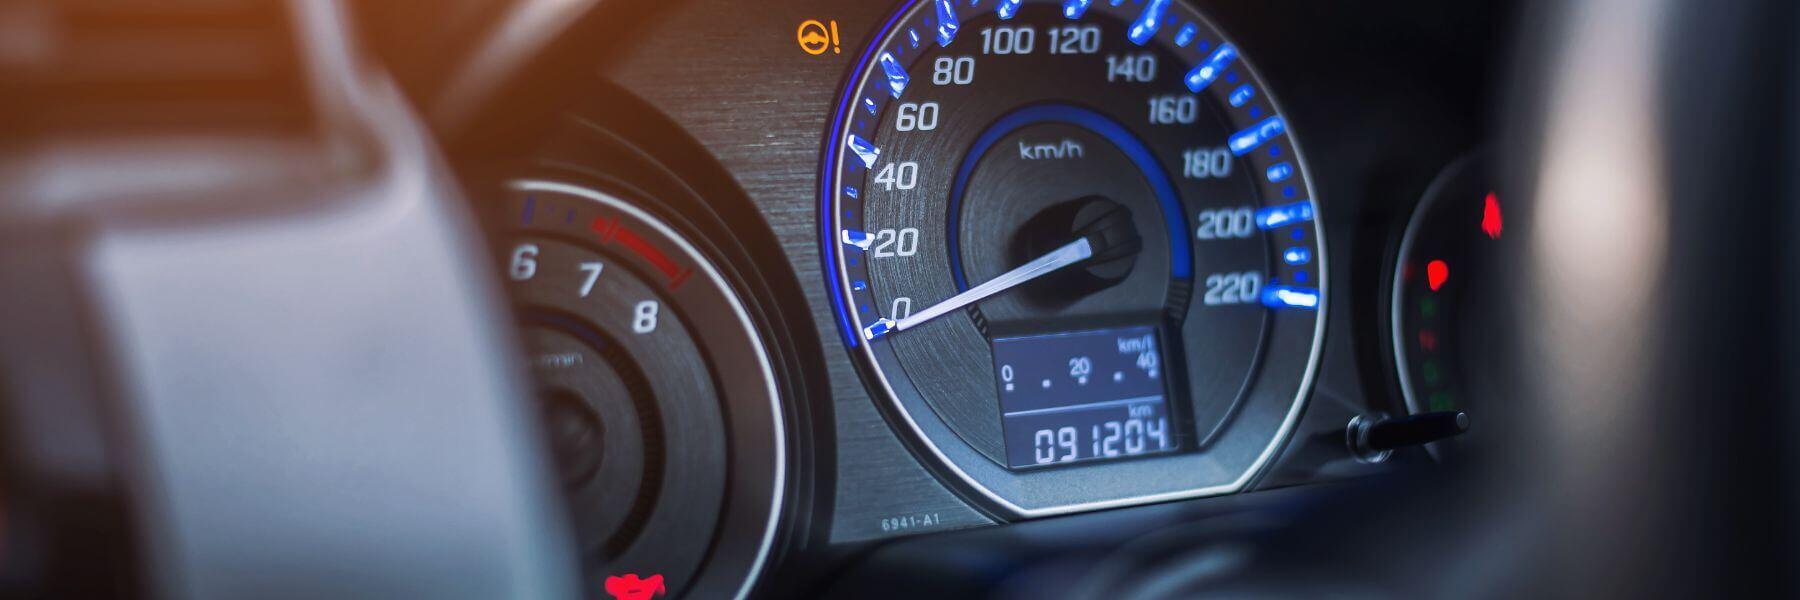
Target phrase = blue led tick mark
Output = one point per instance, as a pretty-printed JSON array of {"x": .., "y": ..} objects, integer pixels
[
  {"x": 857, "y": 239},
  {"x": 1008, "y": 8},
  {"x": 1186, "y": 35},
  {"x": 879, "y": 328},
  {"x": 869, "y": 104},
  {"x": 1275, "y": 150},
  {"x": 1248, "y": 139},
  {"x": 1297, "y": 233},
  {"x": 1117, "y": 2},
  {"x": 1148, "y": 21},
  {"x": 1288, "y": 191},
  {"x": 896, "y": 74},
  {"x": 1242, "y": 94},
  {"x": 859, "y": 285},
  {"x": 1208, "y": 70},
  {"x": 1073, "y": 9},
  {"x": 864, "y": 149},
  {"x": 530, "y": 207},
  {"x": 913, "y": 34},
  {"x": 850, "y": 191},
  {"x": 1299, "y": 276},
  {"x": 947, "y": 23},
  {"x": 1280, "y": 216},
  {"x": 1255, "y": 111},
  {"x": 570, "y": 217},
  {"x": 1288, "y": 296},
  {"x": 1297, "y": 255},
  {"x": 1279, "y": 172}
]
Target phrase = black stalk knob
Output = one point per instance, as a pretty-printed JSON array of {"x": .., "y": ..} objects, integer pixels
[{"x": 1373, "y": 438}]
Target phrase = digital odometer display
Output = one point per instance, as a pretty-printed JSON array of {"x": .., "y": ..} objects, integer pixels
[
  {"x": 1077, "y": 396},
  {"x": 1023, "y": 183}
]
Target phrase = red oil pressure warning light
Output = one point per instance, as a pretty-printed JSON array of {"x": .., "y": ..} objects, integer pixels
[
  {"x": 630, "y": 587},
  {"x": 1490, "y": 216},
  {"x": 1436, "y": 273}
]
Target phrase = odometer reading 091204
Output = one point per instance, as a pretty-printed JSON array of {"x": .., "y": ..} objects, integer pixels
[{"x": 1073, "y": 246}]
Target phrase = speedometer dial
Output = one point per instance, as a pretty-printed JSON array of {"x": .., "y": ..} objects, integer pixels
[{"x": 1074, "y": 248}]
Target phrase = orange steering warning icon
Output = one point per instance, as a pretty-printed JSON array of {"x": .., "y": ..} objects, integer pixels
[{"x": 815, "y": 37}]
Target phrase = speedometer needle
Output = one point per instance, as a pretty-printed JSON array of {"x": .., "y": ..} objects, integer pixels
[{"x": 1070, "y": 253}]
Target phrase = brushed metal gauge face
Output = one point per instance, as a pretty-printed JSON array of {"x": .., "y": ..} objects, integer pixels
[
  {"x": 657, "y": 394},
  {"x": 1074, "y": 248}
]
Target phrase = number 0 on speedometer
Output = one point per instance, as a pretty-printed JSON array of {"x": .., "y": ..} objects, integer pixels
[{"x": 1073, "y": 247}]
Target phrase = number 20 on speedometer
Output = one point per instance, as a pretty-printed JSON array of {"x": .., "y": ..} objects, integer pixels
[{"x": 1073, "y": 248}]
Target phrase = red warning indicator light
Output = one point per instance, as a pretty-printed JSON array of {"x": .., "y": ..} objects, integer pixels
[
  {"x": 1436, "y": 273},
  {"x": 1490, "y": 217},
  {"x": 630, "y": 587}
]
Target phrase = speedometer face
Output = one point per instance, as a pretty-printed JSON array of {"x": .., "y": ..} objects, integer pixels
[{"x": 1073, "y": 246}]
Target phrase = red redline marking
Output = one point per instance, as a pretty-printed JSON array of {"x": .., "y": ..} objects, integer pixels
[
  {"x": 603, "y": 226},
  {"x": 657, "y": 259}
]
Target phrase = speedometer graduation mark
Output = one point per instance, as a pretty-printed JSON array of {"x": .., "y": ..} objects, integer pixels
[
  {"x": 1148, "y": 21},
  {"x": 1205, "y": 73},
  {"x": 1187, "y": 334},
  {"x": 896, "y": 74},
  {"x": 1008, "y": 8},
  {"x": 864, "y": 149},
  {"x": 1073, "y": 9},
  {"x": 946, "y": 17}
]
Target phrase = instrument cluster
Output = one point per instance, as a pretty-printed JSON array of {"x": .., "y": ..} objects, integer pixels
[{"x": 816, "y": 274}]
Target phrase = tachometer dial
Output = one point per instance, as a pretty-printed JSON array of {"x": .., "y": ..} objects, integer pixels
[
  {"x": 1074, "y": 248},
  {"x": 657, "y": 394}
]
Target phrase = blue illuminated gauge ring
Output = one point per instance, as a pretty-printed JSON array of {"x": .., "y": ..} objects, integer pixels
[{"x": 946, "y": 86}]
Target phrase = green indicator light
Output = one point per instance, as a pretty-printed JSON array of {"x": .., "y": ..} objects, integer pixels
[
  {"x": 1428, "y": 307},
  {"x": 1430, "y": 372},
  {"x": 1442, "y": 401}
]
